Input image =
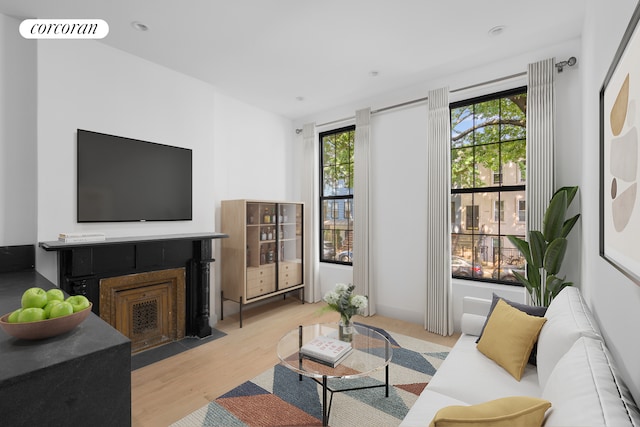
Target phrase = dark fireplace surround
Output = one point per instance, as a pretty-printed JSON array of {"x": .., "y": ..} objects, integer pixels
[{"x": 82, "y": 265}]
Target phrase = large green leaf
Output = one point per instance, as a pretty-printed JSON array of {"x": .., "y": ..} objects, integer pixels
[
  {"x": 553, "y": 287},
  {"x": 533, "y": 276},
  {"x": 568, "y": 225},
  {"x": 523, "y": 247},
  {"x": 570, "y": 191},
  {"x": 538, "y": 247},
  {"x": 554, "y": 255},
  {"x": 554, "y": 216},
  {"x": 524, "y": 281}
]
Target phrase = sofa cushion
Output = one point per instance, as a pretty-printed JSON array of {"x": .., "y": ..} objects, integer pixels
[
  {"x": 469, "y": 376},
  {"x": 568, "y": 318},
  {"x": 507, "y": 412},
  {"x": 529, "y": 309},
  {"x": 587, "y": 391},
  {"x": 509, "y": 337}
]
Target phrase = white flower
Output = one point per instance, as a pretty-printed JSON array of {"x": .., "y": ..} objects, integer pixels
[
  {"x": 341, "y": 288},
  {"x": 331, "y": 297},
  {"x": 359, "y": 301}
]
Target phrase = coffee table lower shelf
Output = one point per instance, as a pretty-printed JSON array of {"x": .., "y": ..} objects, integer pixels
[{"x": 326, "y": 409}]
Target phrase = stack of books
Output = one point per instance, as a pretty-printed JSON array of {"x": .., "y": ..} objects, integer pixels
[
  {"x": 326, "y": 350},
  {"x": 81, "y": 237}
]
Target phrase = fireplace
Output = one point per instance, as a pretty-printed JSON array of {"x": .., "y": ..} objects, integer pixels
[
  {"x": 148, "y": 308},
  {"x": 82, "y": 266}
]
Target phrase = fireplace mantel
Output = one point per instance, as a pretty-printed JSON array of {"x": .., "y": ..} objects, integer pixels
[{"x": 81, "y": 266}]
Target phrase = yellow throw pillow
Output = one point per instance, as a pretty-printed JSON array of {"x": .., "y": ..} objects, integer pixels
[
  {"x": 509, "y": 336},
  {"x": 516, "y": 411}
]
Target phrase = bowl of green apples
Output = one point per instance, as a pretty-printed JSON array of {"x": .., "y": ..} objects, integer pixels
[{"x": 45, "y": 314}]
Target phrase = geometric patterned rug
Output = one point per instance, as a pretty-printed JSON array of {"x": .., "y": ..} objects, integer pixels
[{"x": 277, "y": 397}]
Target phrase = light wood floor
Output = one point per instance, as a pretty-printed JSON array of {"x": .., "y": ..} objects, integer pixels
[{"x": 166, "y": 391}]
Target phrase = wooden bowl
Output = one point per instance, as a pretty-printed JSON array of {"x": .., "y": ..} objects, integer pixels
[{"x": 44, "y": 328}]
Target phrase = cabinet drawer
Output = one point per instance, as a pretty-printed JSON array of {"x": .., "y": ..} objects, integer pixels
[
  {"x": 261, "y": 280},
  {"x": 260, "y": 286},
  {"x": 289, "y": 274},
  {"x": 262, "y": 271}
]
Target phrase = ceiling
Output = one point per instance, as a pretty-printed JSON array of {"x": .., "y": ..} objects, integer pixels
[{"x": 299, "y": 57}]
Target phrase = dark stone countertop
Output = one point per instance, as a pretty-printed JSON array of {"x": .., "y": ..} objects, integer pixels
[{"x": 24, "y": 357}]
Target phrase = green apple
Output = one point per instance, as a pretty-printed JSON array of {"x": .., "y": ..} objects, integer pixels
[
  {"x": 34, "y": 297},
  {"x": 13, "y": 317},
  {"x": 49, "y": 306},
  {"x": 31, "y": 314},
  {"x": 55, "y": 294},
  {"x": 79, "y": 302},
  {"x": 61, "y": 309}
]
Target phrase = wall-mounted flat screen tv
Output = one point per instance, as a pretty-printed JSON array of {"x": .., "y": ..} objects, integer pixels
[{"x": 123, "y": 179}]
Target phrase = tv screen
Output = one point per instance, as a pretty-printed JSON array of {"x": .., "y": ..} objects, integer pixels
[{"x": 124, "y": 179}]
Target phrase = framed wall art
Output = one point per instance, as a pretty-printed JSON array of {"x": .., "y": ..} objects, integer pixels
[{"x": 619, "y": 156}]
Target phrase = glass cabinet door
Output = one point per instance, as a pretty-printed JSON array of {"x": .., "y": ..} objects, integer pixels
[
  {"x": 262, "y": 228},
  {"x": 290, "y": 220},
  {"x": 261, "y": 248}
]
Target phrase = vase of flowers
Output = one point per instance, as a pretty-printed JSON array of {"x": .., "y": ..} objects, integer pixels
[{"x": 344, "y": 301}]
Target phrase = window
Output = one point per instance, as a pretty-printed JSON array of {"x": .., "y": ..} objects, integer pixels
[
  {"x": 498, "y": 210},
  {"x": 473, "y": 215},
  {"x": 336, "y": 195},
  {"x": 488, "y": 175},
  {"x": 522, "y": 210}
]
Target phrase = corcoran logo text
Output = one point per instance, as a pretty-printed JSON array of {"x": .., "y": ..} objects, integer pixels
[{"x": 64, "y": 29}]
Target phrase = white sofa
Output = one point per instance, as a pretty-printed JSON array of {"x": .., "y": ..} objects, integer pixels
[{"x": 574, "y": 371}]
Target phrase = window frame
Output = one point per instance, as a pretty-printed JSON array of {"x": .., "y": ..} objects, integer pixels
[
  {"x": 494, "y": 191},
  {"x": 335, "y": 200}
]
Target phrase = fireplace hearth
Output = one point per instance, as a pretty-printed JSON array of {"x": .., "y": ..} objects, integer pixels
[{"x": 148, "y": 308}]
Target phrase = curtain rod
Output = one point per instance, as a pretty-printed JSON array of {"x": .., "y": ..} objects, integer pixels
[
  {"x": 423, "y": 99},
  {"x": 426, "y": 98},
  {"x": 559, "y": 66}
]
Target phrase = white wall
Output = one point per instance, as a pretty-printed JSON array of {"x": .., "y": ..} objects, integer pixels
[
  {"x": 17, "y": 136},
  {"x": 614, "y": 299},
  {"x": 89, "y": 85},
  {"x": 399, "y": 202}
]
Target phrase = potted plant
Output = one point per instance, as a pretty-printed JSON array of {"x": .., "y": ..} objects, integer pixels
[
  {"x": 344, "y": 301},
  {"x": 544, "y": 251}
]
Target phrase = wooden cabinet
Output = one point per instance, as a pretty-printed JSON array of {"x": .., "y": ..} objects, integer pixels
[{"x": 263, "y": 255}]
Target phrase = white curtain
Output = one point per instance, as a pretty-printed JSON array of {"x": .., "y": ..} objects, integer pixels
[
  {"x": 362, "y": 252},
  {"x": 540, "y": 140},
  {"x": 311, "y": 232},
  {"x": 438, "y": 315}
]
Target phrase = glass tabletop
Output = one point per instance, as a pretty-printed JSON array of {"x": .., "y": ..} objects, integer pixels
[{"x": 371, "y": 352}]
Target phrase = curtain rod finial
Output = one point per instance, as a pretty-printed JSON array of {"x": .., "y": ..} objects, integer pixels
[{"x": 570, "y": 62}]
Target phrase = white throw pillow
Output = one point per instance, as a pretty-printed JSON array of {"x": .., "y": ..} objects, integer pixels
[
  {"x": 586, "y": 390},
  {"x": 568, "y": 318}
]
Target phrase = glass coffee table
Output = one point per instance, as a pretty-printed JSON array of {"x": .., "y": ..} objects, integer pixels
[{"x": 371, "y": 352}]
